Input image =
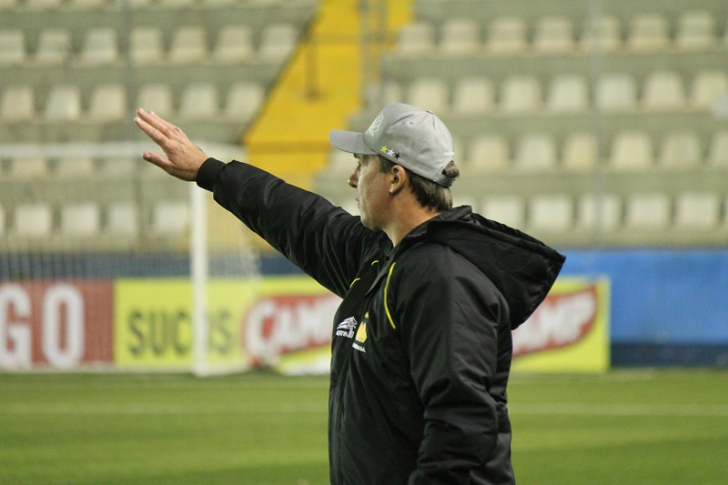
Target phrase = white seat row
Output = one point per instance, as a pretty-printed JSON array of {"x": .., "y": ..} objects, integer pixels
[
  {"x": 109, "y": 102},
  {"x": 651, "y": 211},
  {"x": 510, "y": 35},
  {"x": 548, "y": 212},
  {"x": 26, "y": 168},
  {"x": 188, "y": 44},
  {"x": 88, "y": 219},
  {"x": 629, "y": 150},
  {"x": 579, "y": 152},
  {"x": 565, "y": 93},
  {"x": 94, "y": 4}
]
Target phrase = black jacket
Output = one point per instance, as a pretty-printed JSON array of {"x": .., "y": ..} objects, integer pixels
[{"x": 421, "y": 346}]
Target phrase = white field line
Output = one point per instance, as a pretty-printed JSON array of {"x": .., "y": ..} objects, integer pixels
[
  {"x": 158, "y": 409},
  {"x": 588, "y": 409},
  {"x": 161, "y": 384},
  {"x": 554, "y": 409}
]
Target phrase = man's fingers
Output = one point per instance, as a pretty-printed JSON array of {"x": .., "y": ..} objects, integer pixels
[
  {"x": 155, "y": 158},
  {"x": 165, "y": 127}
]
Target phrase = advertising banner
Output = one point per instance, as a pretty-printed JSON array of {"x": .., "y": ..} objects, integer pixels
[
  {"x": 59, "y": 325},
  {"x": 284, "y": 323},
  {"x": 153, "y": 322},
  {"x": 569, "y": 332}
]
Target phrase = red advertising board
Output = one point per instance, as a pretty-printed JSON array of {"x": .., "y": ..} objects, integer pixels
[{"x": 56, "y": 324}]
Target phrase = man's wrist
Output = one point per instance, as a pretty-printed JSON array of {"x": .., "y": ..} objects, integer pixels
[{"x": 208, "y": 173}]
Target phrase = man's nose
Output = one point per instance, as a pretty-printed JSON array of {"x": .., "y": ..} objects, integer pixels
[{"x": 353, "y": 180}]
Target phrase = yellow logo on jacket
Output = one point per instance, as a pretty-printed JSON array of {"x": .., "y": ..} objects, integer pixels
[{"x": 361, "y": 333}]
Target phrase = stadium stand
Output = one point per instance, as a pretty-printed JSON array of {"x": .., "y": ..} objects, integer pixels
[
  {"x": 578, "y": 123},
  {"x": 72, "y": 73}
]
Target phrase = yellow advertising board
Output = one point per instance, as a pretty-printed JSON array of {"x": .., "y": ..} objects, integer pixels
[
  {"x": 281, "y": 322},
  {"x": 286, "y": 322},
  {"x": 569, "y": 332},
  {"x": 153, "y": 323}
]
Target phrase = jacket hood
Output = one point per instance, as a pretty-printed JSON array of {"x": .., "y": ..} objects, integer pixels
[{"x": 520, "y": 266}]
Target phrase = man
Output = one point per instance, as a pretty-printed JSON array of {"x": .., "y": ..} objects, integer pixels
[{"x": 421, "y": 347}]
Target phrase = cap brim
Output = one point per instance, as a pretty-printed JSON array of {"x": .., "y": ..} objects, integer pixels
[{"x": 350, "y": 141}]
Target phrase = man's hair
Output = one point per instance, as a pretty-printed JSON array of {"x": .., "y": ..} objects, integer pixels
[{"x": 428, "y": 193}]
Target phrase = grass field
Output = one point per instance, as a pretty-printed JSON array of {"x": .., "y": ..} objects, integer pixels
[{"x": 626, "y": 427}]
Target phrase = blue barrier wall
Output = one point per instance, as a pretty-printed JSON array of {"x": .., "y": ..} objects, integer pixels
[{"x": 668, "y": 307}]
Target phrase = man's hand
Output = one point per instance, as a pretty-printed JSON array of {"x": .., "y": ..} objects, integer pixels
[{"x": 183, "y": 157}]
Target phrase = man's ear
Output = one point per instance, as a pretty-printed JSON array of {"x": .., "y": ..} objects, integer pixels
[{"x": 398, "y": 179}]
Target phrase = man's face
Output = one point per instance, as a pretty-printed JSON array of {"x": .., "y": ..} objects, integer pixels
[{"x": 372, "y": 187}]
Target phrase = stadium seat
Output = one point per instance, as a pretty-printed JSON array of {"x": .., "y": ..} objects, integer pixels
[
  {"x": 54, "y": 47},
  {"x": 18, "y": 104},
  {"x": 391, "y": 93},
  {"x": 568, "y": 93},
  {"x": 506, "y": 209},
  {"x": 663, "y": 90},
  {"x": 145, "y": 45},
  {"x": 429, "y": 93},
  {"x": 33, "y": 220},
  {"x": 243, "y": 101},
  {"x": 697, "y": 210},
  {"x": 219, "y": 3},
  {"x": 170, "y": 218},
  {"x": 553, "y": 35},
  {"x": 599, "y": 212},
  {"x": 460, "y": 36},
  {"x": 648, "y": 32},
  {"x": 650, "y": 211},
  {"x": 708, "y": 86},
  {"x": 100, "y": 47},
  {"x": 520, "y": 94},
  {"x": 580, "y": 152},
  {"x": 156, "y": 97},
  {"x": 507, "y": 35},
  {"x": 12, "y": 47},
  {"x": 340, "y": 162},
  {"x": 189, "y": 44},
  {"x": 718, "y": 155},
  {"x": 415, "y": 38},
  {"x": 108, "y": 103},
  {"x": 535, "y": 152},
  {"x": 122, "y": 219},
  {"x": 8, "y": 4},
  {"x": 234, "y": 44},
  {"x": 42, "y": 4},
  {"x": 87, "y": 4},
  {"x": 696, "y": 30},
  {"x": 680, "y": 150},
  {"x": 616, "y": 92},
  {"x": 80, "y": 219},
  {"x": 602, "y": 34},
  {"x": 176, "y": 3},
  {"x": 631, "y": 150},
  {"x": 278, "y": 40},
  {"x": 119, "y": 167},
  {"x": 75, "y": 168},
  {"x": 64, "y": 103},
  {"x": 550, "y": 212},
  {"x": 472, "y": 96},
  {"x": 199, "y": 101},
  {"x": 27, "y": 168}
]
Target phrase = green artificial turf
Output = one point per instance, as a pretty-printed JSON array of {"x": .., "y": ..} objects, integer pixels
[{"x": 625, "y": 427}]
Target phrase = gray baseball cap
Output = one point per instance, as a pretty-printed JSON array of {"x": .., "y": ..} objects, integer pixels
[{"x": 407, "y": 136}]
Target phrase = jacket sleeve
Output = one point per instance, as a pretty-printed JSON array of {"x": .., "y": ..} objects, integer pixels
[
  {"x": 449, "y": 326},
  {"x": 324, "y": 241}
]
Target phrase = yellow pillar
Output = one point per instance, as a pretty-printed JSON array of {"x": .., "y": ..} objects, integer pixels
[{"x": 319, "y": 90}]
